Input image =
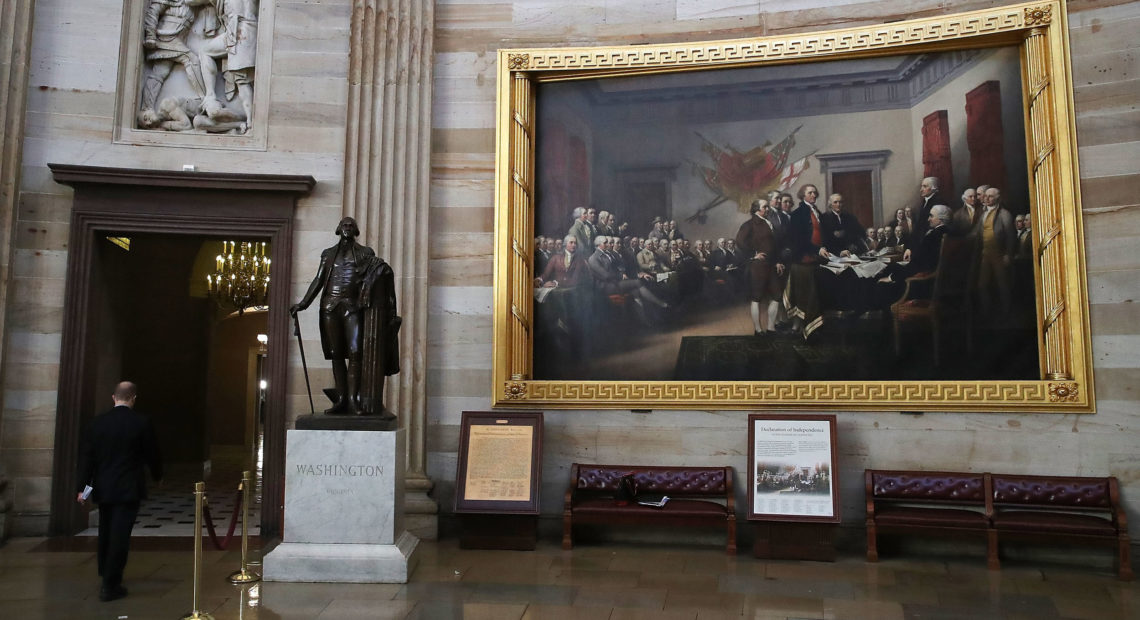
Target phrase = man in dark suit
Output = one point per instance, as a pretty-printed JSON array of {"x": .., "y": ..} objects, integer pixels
[
  {"x": 922, "y": 258},
  {"x": 776, "y": 217},
  {"x": 928, "y": 190},
  {"x": 783, "y": 208},
  {"x": 543, "y": 250},
  {"x": 806, "y": 235},
  {"x": 898, "y": 238},
  {"x": 115, "y": 448},
  {"x": 717, "y": 255},
  {"x": 629, "y": 254},
  {"x": 1024, "y": 240},
  {"x": 842, "y": 233},
  {"x": 870, "y": 239}
]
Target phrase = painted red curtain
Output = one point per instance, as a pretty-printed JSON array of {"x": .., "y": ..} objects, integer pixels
[
  {"x": 936, "y": 149},
  {"x": 985, "y": 136}
]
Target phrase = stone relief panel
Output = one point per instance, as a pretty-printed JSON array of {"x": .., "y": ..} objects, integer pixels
[{"x": 198, "y": 68}]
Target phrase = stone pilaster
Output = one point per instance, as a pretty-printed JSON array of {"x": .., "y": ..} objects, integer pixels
[
  {"x": 15, "y": 48},
  {"x": 387, "y": 163}
]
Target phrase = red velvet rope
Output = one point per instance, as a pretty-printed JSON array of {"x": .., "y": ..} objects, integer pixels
[{"x": 221, "y": 546}]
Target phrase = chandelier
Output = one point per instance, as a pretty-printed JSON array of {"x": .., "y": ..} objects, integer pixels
[{"x": 241, "y": 275}]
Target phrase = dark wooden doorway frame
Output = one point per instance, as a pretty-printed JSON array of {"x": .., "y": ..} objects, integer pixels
[
  {"x": 859, "y": 161},
  {"x": 858, "y": 195},
  {"x": 137, "y": 201}
]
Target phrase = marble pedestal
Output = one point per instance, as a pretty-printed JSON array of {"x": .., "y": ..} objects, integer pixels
[{"x": 344, "y": 512}]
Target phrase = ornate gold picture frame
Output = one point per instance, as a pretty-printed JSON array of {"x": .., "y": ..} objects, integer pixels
[{"x": 1063, "y": 380}]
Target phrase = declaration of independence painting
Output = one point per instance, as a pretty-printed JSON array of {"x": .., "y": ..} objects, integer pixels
[{"x": 856, "y": 220}]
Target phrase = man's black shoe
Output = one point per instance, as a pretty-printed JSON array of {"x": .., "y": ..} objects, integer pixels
[{"x": 112, "y": 594}]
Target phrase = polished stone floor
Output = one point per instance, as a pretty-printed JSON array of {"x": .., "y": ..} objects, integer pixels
[{"x": 56, "y": 579}]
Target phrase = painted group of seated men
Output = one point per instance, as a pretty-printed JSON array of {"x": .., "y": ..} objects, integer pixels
[
  {"x": 776, "y": 254},
  {"x": 802, "y": 236},
  {"x": 657, "y": 269}
]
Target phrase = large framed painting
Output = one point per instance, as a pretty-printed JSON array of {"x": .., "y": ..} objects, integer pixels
[{"x": 877, "y": 218}]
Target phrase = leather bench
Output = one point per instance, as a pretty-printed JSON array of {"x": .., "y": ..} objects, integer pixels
[
  {"x": 926, "y": 502},
  {"x": 1069, "y": 509},
  {"x": 698, "y": 497},
  {"x": 1002, "y": 507}
]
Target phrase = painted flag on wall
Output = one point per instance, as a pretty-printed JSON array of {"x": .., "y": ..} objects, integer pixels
[
  {"x": 789, "y": 175},
  {"x": 743, "y": 176}
]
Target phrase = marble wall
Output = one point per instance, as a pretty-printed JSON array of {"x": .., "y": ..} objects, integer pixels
[
  {"x": 459, "y": 378},
  {"x": 71, "y": 99}
]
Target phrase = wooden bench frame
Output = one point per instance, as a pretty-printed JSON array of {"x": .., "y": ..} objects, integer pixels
[
  {"x": 1055, "y": 485},
  {"x": 977, "y": 501},
  {"x": 636, "y": 514},
  {"x": 993, "y": 507}
]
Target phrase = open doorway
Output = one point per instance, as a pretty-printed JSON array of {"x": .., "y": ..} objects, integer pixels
[
  {"x": 143, "y": 314},
  {"x": 198, "y": 359}
]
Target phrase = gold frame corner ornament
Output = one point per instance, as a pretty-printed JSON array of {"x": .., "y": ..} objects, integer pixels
[
  {"x": 514, "y": 390},
  {"x": 1067, "y": 392},
  {"x": 1038, "y": 29},
  {"x": 1038, "y": 15}
]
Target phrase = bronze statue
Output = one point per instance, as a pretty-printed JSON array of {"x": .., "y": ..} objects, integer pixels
[{"x": 359, "y": 325}]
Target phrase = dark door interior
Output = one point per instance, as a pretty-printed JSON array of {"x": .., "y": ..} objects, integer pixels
[
  {"x": 858, "y": 198},
  {"x": 645, "y": 201}
]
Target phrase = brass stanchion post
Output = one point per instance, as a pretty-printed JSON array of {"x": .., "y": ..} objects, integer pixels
[
  {"x": 199, "y": 498},
  {"x": 245, "y": 575}
]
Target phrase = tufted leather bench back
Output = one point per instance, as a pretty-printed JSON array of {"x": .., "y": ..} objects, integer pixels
[
  {"x": 654, "y": 479},
  {"x": 1052, "y": 491},
  {"x": 927, "y": 486}
]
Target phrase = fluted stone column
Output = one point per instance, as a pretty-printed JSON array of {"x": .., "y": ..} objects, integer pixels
[
  {"x": 387, "y": 167},
  {"x": 6, "y": 513},
  {"x": 15, "y": 48}
]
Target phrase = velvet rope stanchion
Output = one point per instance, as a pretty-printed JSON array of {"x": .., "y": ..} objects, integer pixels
[
  {"x": 221, "y": 546},
  {"x": 244, "y": 575},
  {"x": 199, "y": 502}
]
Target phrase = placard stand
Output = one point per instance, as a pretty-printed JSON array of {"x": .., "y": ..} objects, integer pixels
[
  {"x": 503, "y": 532},
  {"x": 496, "y": 486},
  {"x": 793, "y": 486},
  {"x": 780, "y": 540}
]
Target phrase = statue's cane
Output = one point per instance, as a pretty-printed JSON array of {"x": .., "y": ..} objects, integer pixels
[{"x": 304, "y": 365}]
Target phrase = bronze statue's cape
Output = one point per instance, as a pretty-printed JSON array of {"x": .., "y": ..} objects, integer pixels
[{"x": 378, "y": 303}]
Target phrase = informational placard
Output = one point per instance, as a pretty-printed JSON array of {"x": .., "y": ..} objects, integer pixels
[
  {"x": 793, "y": 475},
  {"x": 499, "y": 462}
]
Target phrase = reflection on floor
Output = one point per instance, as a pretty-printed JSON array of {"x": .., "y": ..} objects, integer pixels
[
  {"x": 56, "y": 579},
  {"x": 169, "y": 509}
]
